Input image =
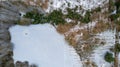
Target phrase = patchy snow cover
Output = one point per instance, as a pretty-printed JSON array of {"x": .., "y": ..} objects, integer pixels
[
  {"x": 78, "y": 27},
  {"x": 99, "y": 53},
  {"x": 42, "y": 45},
  {"x": 84, "y": 4}
]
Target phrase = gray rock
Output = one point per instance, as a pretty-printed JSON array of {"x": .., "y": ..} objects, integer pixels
[
  {"x": 25, "y": 64},
  {"x": 9, "y": 16},
  {"x": 18, "y": 64}
]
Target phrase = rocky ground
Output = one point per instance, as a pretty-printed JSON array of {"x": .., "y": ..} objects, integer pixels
[{"x": 10, "y": 13}]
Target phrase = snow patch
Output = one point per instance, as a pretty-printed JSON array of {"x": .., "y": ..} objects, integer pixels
[
  {"x": 99, "y": 53},
  {"x": 41, "y": 44},
  {"x": 84, "y": 4}
]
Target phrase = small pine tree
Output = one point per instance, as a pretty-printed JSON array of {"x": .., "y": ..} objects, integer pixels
[{"x": 109, "y": 57}]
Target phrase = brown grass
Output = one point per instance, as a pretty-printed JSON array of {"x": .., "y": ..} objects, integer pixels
[
  {"x": 118, "y": 27},
  {"x": 63, "y": 28},
  {"x": 24, "y": 21},
  {"x": 100, "y": 27},
  {"x": 71, "y": 38},
  {"x": 43, "y": 5}
]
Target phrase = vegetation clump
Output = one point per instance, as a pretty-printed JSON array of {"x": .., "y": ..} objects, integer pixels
[
  {"x": 56, "y": 17},
  {"x": 86, "y": 18},
  {"x": 111, "y": 6},
  {"x": 109, "y": 57},
  {"x": 73, "y": 15},
  {"x": 36, "y": 17},
  {"x": 117, "y": 4},
  {"x": 117, "y": 47}
]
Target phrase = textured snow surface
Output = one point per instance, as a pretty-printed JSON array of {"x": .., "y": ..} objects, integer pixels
[
  {"x": 84, "y": 4},
  {"x": 99, "y": 53},
  {"x": 42, "y": 45}
]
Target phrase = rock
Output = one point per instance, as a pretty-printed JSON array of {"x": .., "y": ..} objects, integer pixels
[
  {"x": 6, "y": 61},
  {"x": 22, "y": 64},
  {"x": 25, "y": 64},
  {"x": 33, "y": 65},
  {"x": 18, "y": 64},
  {"x": 4, "y": 25},
  {"x": 25, "y": 21},
  {"x": 4, "y": 35},
  {"x": 9, "y": 16}
]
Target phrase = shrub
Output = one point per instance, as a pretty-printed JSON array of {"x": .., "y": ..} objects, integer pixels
[
  {"x": 117, "y": 47},
  {"x": 86, "y": 18},
  {"x": 73, "y": 15},
  {"x": 56, "y": 17},
  {"x": 111, "y": 6},
  {"x": 109, "y": 57},
  {"x": 37, "y": 18},
  {"x": 114, "y": 17},
  {"x": 117, "y": 4}
]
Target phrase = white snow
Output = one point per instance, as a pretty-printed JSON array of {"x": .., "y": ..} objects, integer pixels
[
  {"x": 99, "y": 53},
  {"x": 41, "y": 44},
  {"x": 85, "y": 4},
  {"x": 22, "y": 13}
]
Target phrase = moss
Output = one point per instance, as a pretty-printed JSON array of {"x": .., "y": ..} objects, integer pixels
[{"x": 109, "y": 57}]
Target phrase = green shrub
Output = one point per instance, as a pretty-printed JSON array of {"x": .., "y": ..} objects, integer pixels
[
  {"x": 86, "y": 18},
  {"x": 109, "y": 57},
  {"x": 97, "y": 9},
  {"x": 73, "y": 15},
  {"x": 111, "y": 6},
  {"x": 37, "y": 18},
  {"x": 114, "y": 17},
  {"x": 117, "y": 4},
  {"x": 56, "y": 17},
  {"x": 117, "y": 47}
]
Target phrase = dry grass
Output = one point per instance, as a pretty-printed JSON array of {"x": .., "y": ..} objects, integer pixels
[
  {"x": 44, "y": 4},
  {"x": 71, "y": 38},
  {"x": 118, "y": 27},
  {"x": 89, "y": 63},
  {"x": 63, "y": 28},
  {"x": 86, "y": 35},
  {"x": 100, "y": 27},
  {"x": 95, "y": 16},
  {"x": 25, "y": 21}
]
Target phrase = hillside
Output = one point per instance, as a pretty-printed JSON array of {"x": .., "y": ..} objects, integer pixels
[{"x": 89, "y": 28}]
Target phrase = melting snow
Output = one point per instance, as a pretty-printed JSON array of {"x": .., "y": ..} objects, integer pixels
[
  {"x": 99, "y": 53},
  {"x": 42, "y": 45}
]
